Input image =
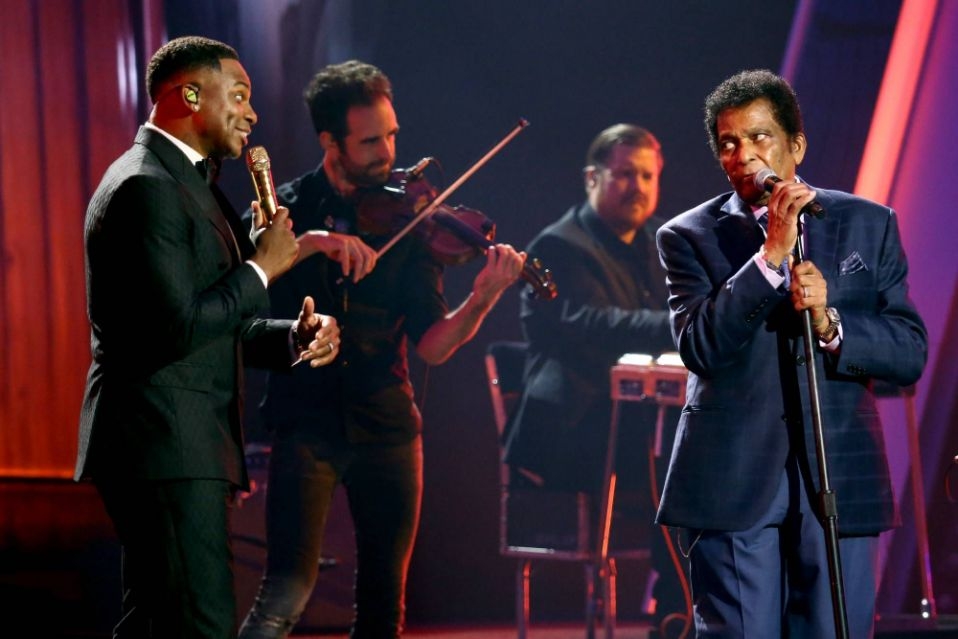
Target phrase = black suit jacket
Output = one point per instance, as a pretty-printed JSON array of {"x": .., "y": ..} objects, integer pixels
[
  {"x": 612, "y": 300},
  {"x": 747, "y": 402},
  {"x": 171, "y": 308}
]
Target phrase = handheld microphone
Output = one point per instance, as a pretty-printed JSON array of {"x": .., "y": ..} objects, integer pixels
[
  {"x": 766, "y": 179},
  {"x": 257, "y": 161}
]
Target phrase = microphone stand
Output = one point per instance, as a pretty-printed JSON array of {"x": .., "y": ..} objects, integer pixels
[{"x": 826, "y": 495}]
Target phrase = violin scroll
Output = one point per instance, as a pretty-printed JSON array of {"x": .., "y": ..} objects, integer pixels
[{"x": 539, "y": 279}]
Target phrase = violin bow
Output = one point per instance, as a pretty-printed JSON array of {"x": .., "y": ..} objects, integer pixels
[{"x": 432, "y": 206}]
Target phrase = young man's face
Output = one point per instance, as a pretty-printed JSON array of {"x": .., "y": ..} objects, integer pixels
[
  {"x": 225, "y": 116},
  {"x": 368, "y": 152}
]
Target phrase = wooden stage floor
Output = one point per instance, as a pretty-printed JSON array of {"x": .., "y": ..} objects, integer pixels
[
  {"x": 536, "y": 631},
  {"x": 903, "y": 627},
  {"x": 58, "y": 567},
  {"x": 899, "y": 627}
]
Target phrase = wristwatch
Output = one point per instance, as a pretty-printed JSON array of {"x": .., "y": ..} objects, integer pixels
[
  {"x": 777, "y": 268},
  {"x": 834, "y": 319}
]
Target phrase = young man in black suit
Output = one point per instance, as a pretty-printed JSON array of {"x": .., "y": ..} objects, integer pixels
[{"x": 160, "y": 431}]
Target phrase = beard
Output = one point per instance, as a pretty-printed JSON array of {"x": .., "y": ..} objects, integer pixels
[
  {"x": 637, "y": 205},
  {"x": 369, "y": 175},
  {"x": 637, "y": 210}
]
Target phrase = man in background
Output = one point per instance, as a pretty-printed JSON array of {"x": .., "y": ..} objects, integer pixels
[{"x": 612, "y": 301}]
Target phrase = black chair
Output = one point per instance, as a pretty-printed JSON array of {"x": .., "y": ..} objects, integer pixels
[{"x": 542, "y": 525}]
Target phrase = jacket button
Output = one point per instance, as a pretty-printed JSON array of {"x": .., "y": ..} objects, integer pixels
[{"x": 800, "y": 360}]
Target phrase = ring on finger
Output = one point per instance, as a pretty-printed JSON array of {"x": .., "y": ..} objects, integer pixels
[
  {"x": 331, "y": 348},
  {"x": 804, "y": 291}
]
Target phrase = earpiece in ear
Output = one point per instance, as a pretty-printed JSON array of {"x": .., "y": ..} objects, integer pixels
[{"x": 192, "y": 95}]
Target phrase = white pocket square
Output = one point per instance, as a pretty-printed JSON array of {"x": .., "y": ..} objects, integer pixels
[{"x": 852, "y": 264}]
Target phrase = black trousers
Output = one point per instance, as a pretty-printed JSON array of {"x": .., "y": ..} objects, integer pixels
[
  {"x": 176, "y": 558},
  {"x": 383, "y": 484}
]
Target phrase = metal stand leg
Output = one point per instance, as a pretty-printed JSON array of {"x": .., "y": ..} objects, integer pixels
[
  {"x": 592, "y": 575},
  {"x": 603, "y": 566},
  {"x": 610, "y": 603},
  {"x": 928, "y": 608},
  {"x": 523, "y": 569},
  {"x": 827, "y": 499}
]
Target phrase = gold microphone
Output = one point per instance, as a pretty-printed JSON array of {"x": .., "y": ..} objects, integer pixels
[{"x": 257, "y": 161}]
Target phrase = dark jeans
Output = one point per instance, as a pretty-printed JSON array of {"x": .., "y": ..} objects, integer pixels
[
  {"x": 177, "y": 559},
  {"x": 384, "y": 488}
]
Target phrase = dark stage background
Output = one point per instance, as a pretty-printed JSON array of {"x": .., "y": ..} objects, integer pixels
[{"x": 463, "y": 74}]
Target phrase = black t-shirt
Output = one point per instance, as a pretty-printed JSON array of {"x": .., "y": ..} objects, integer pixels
[{"x": 365, "y": 395}]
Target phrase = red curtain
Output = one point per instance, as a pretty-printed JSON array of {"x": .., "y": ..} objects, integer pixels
[{"x": 72, "y": 86}]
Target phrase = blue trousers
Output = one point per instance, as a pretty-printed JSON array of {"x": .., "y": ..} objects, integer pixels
[
  {"x": 384, "y": 489},
  {"x": 771, "y": 580}
]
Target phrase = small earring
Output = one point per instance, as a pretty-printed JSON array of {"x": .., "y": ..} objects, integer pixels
[{"x": 195, "y": 107}]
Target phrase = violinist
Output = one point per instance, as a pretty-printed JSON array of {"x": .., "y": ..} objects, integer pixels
[{"x": 355, "y": 423}]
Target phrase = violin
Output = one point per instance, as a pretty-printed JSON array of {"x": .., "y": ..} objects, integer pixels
[{"x": 453, "y": 235}]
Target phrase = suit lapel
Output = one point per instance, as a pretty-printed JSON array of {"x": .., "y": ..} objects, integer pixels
[
  {"x": 207, "y": 204},
  {"x": 238, "y": 235},
  {"x": 587, "y": 231},
  {"x": 739, "y": 235},
  {"x": 822, "y": 237}
]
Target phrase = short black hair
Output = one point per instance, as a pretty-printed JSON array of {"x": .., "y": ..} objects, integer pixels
[
  {"x": 337, "y": 87},
  {"x": 747, "y": 86},
  {"x": 627, "y": 134},
  {"x": 184, "y": 54}
]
